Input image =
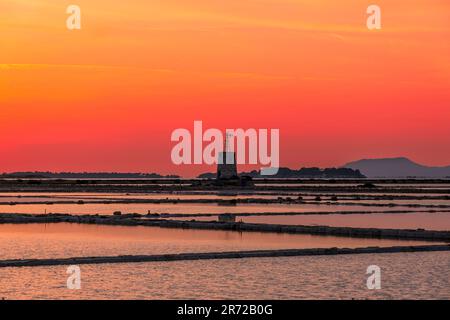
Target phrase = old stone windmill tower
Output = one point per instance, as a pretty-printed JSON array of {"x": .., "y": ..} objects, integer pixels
[{"x": 226, "y": 168}]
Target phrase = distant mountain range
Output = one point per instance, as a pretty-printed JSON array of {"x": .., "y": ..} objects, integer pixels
[
  {"x": 300, "y": 173},
  {"x": 397, "y": 168}
]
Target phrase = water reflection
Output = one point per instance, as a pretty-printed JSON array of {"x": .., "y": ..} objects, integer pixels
[{"x": 69, "y": 240}]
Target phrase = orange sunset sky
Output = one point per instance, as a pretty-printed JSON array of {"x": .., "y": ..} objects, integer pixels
[{"x": 108, "y": 96}]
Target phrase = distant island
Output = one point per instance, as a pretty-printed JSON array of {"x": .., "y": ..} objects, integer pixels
[
  {"x": 397, "y": 168},
  {"x": 400, "y": 167},
  {"x": 300, "y": 173},
  {"x": 84, "y": 175}
]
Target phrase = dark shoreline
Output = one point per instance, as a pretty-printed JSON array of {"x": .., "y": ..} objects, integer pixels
[
  {"x": 155, "y": 215},
  {"x": 137, "y": 220},
  {"x": 356, "y": 186},
  {"x": 218, "y": 255},
  {"x": 225, "y": 202}
]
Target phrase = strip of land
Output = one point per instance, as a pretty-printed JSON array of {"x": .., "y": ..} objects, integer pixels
[
  {"x": 137, "y": 220},
  {"x": 231, "y": 202},
  {"x": 12, "y": 215},
  {"x": 217, "y": 255},
  {"x": 175, "y": 185}
]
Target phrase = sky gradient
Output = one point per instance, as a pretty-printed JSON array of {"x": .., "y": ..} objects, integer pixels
[{"x": 108, "y": 96}]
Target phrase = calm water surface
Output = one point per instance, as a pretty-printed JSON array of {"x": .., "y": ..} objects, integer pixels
[
  {"x": 428, "y": 221},
  {"x": 62, "y": 240},
  {"x": 184, "y": 208},
  {"x": 403, "y": 276}
]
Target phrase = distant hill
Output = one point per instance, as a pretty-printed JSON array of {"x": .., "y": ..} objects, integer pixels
[
  {"x": 301, "y": 173},
  {"x": 84, "y": 175},
  {"x": 397, "y": 168}
]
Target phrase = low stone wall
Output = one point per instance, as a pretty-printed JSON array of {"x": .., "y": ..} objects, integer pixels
[
  {"x": 318, "y": 230},
  {"x": 218, "y": 255},
  {"x": 137, "y": 220}
]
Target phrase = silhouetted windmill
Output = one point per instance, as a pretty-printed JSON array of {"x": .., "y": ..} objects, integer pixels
[{"x": 226, "y": 168}]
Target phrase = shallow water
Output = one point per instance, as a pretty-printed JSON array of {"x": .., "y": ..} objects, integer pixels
[
  {"x": 428, "y": 220},
  {"x": 63, "y": 240},
  {"x": 403, "y": 276},
  {"x": 43, "y": 197},
  {"x": 182, "y": 208},
  {"x": 5, "y": 201},
  {"x": 398, "y": 202}
]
